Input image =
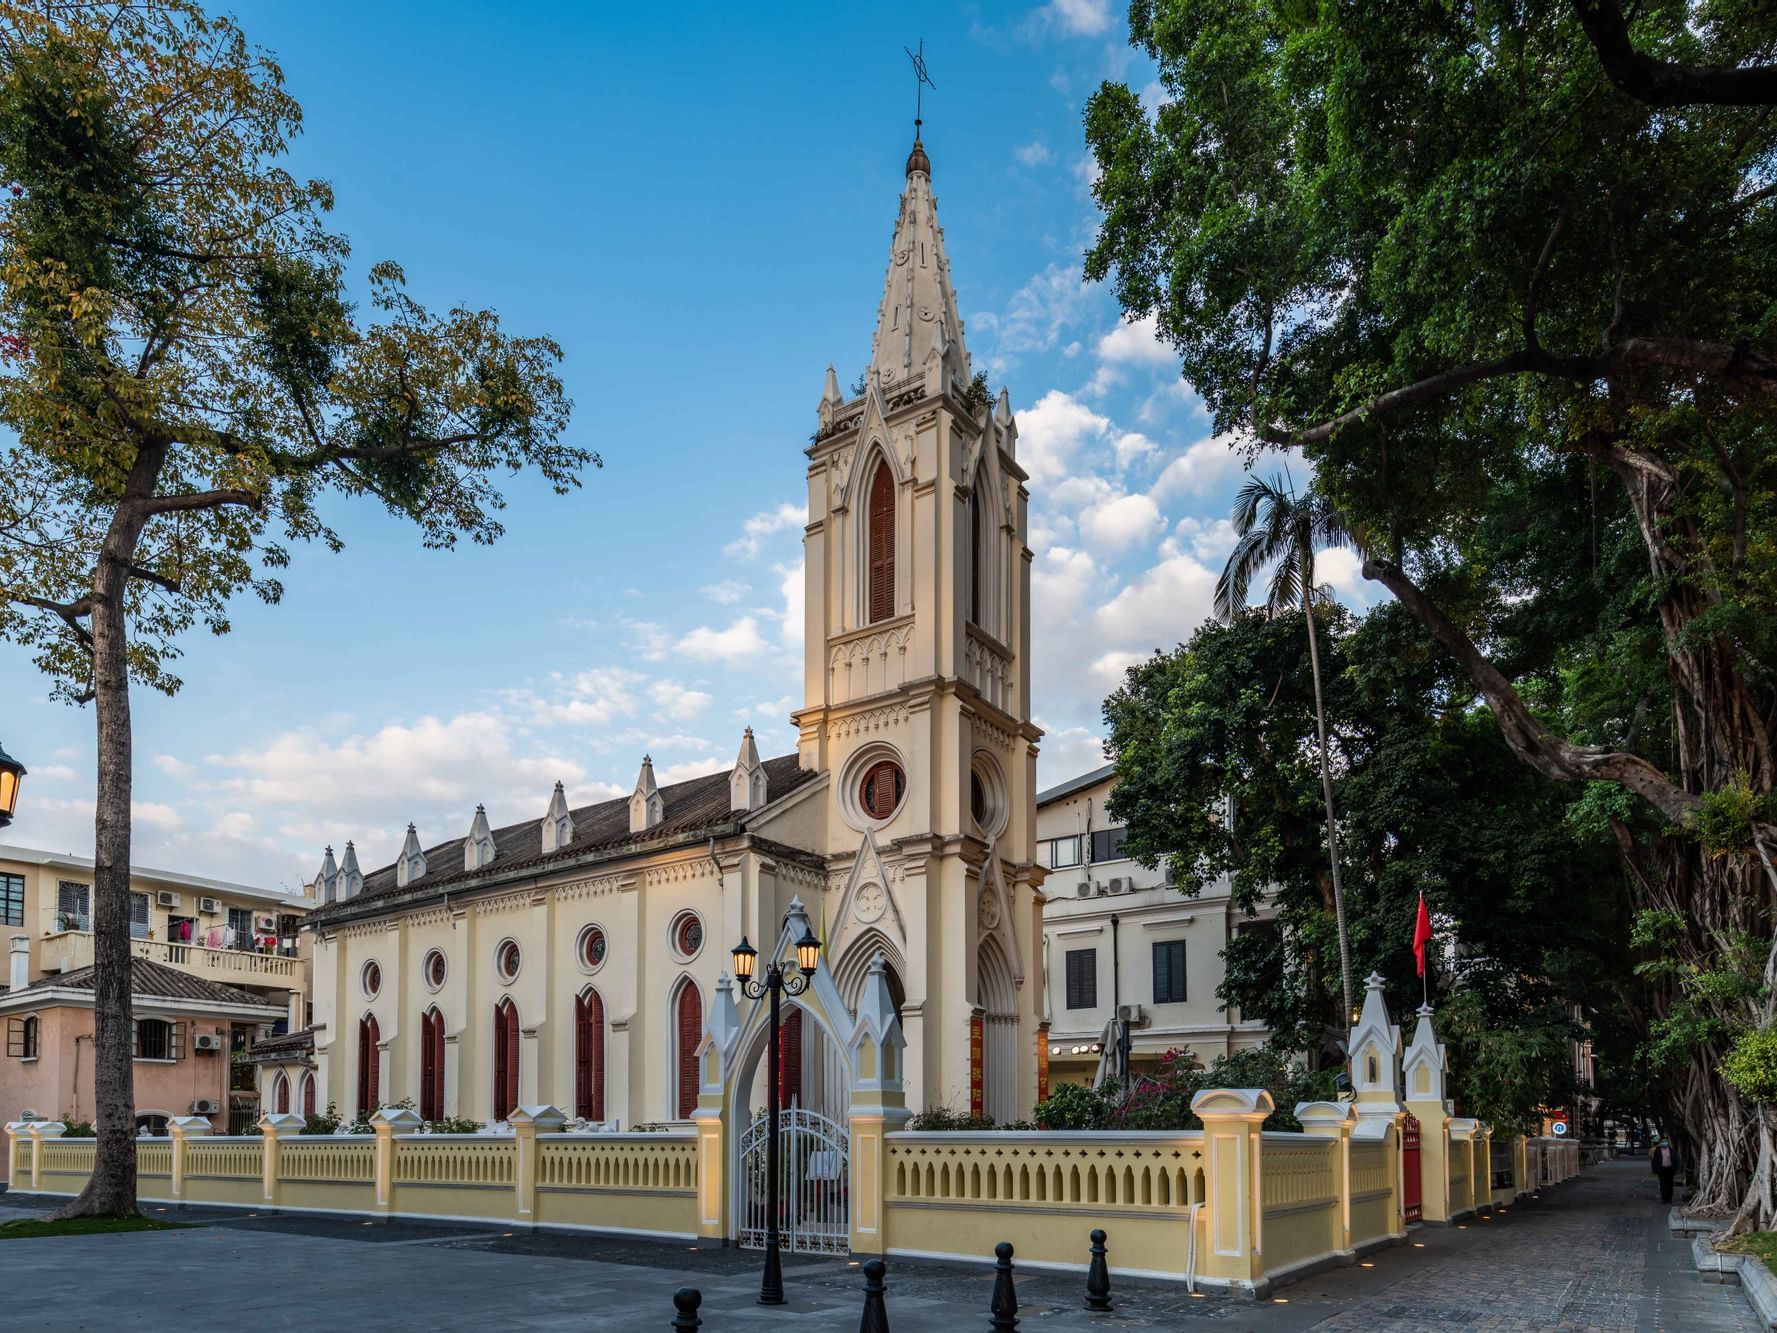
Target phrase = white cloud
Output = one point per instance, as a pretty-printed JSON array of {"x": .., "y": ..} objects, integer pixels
[
  {"x": 690, "y": 768},
  {"x": 1081, "y": 18},
  {"x": 1052, "y": 432},
  {"x": 1134, "y": 447},
  {"x": 1118, "y": 523},
  {"x": 1209, "y": 539},
  {"x": 1136, "y": 344},
  {"x": 741, "y": 639},
  {"x": 727, "y": 592},
  {"x": 172, "y": 767},
  {"x": 1161, "y": 607},
  {"x": 677, "y": 702},
  {"x": 1343, "y": 568},
  {"x": 791, "y": 587},
  {"x": 760, "y": 526},
  {"x": 650, "y": 641},
  {"x": 1068, "y": 752},
  {"x": 1205, "y": 466},
  {"x": 1034, "y": 318},
  {"x": 1036, "y": 153},
  {"x": 155, "y": 814},
  {"x": 53, "y": 773},
  {"x": 592, "y": 698}
]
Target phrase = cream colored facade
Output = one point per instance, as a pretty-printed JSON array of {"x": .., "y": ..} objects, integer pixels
[
  {"x": 1147, "y": 949},
  {"x": 47, "y": 898},
  {"x": 917, "y": 660}
]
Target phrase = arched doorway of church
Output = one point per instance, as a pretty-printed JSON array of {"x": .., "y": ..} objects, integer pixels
[{"x": 997, "y": 995}]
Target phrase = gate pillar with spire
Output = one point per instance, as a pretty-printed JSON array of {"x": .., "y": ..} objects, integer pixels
[
  {"x": 713, "y": 1117},
  {"x": 1376, "y": 1089},
  {"x": 878, "y": 1105},
  {"x": 1424, "y": 1074}
]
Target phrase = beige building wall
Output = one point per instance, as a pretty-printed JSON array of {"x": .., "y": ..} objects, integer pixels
[{"x": 1103, "y": 903}]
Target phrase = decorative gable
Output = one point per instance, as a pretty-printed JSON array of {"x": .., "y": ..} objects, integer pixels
[
  {"x": 1375, "y": 1049},
  {"x": 646, "y": 808},
  {"x": 351, "y": 879},
  {"x": 746, "y": 784},
  {"x": 1422, "y": 1069},
  {"x": 411, "y": 864},
  {"x": 558, "y": 824},
  {"x": 478, "y": 847}
]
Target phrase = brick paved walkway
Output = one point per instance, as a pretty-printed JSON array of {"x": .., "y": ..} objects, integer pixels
[{"x": 1590, "y": 1254}]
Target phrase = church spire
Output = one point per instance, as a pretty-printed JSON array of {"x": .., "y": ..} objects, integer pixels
[{"x": 917, "y": 323}]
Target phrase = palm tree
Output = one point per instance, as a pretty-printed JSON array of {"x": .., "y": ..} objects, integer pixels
[{"x": 1274, "y": 526}]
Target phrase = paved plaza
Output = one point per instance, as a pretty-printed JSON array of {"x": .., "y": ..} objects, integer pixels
[{"x": 1591, "y": 1254}]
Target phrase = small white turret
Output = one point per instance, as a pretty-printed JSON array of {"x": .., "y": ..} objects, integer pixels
[
  {"x": 327, "y": 879},
  {"x": 746, "y": 784},
  {"x": 411, "y": 864},
  {"x": 351, "y": 879},
  {"x": 558, "y": 824},
  {"x": 478, "y": 847},
  {"x": 646, "y": 808}
]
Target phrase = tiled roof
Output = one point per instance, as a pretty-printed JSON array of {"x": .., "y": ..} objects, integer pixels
[
  {"x": 284, "y": 1044},
  {"x": 700, "y": 803},
  {"x": 152, "y": 980},
  {"x": 1072, "y": 785}
]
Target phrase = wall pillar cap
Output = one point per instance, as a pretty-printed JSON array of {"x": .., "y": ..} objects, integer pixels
[
  {"x": 47, "y": 1129},
  {"x": 1330, "y": 1114},
  {"x": 544, "y": 1118},
  {"x": 191, "y": 1126},
  {"x": 1252, "y": 1103},
  {"x": 397, "y": 1120},
  {"x": 282, "y": 1122}
]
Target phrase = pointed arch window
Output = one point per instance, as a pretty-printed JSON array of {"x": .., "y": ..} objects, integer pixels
[
  {"x": 280, "y": 1098},
  {"x": 882, "y": 544},
  {"x": 308, "y": 1094},
  {"x": 687, "y": 1033},
  {"x": 975, "y": 555},
  {"x": 589, "y": 1056},
  {"x": 432, "y": 1065},
  {"x": 369, "y": 1066},
  {"x": 505, "y": 1059}
]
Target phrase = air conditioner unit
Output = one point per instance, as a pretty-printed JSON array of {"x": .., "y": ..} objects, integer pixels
[
  {"x": 1119, "y": 884},
  {"x": 206, "y": 1041},
  {"x": 209, "y": 905},
  {"x": 167, "y": 898},
  {"x": 1133, "y": 1014},
  {"x": 206, "y": 1106},
  {"x": 29, "y": 1114},
  {"x": 1083, "y": 889},
  {"x": 265, "y": 923}
]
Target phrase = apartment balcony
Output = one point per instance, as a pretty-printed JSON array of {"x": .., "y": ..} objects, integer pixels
[{"x": 66, "y": 950}]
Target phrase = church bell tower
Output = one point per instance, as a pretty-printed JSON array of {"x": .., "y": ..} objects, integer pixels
[{"x": 917, "y": 683}]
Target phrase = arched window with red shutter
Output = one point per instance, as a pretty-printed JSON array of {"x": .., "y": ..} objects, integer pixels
[
  {"x": 308, "y": 1094},
  {"x": 432, "y": 1065},
  {"x": 789, "y": 1059},
  {"x": 975, "y": 555},
  {"x": 882, "y": 544},
  {"x": 505, "y": 1059},
  {"x": 589, "y": 1056},
  {"x": 369, "y": 1067},
  {"x": 687, "y": 1033},
  {"x": 280, "y": 1099}
]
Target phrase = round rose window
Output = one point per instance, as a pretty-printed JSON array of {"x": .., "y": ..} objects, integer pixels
[
  {"x": 508, "y": 959},
  {"x": 373, "y": 978},
  {"x": 435, "y": 968},
  {"x": 883, "y": 787},
  {"x": 592, "y": 948},
  {"x": 688, "y": 934}
]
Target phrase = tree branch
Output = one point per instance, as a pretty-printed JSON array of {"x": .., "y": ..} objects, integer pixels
[
  {"x": 1663, "y": 83},
  {"x": 168, "y": 504},
  {"x": 69, "y": 613},
  {"x": 1529, "y": 739},
  {"x": 159, "y": 580},
  {"x": 1536, "y": 279}
]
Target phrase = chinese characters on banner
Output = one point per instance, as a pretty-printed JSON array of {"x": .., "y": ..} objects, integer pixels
[
  {"x": 1042, "y": 1065},
  {"x": 977, "y": 1102}
]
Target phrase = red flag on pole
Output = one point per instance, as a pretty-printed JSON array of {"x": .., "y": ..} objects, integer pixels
[{"x": 1421, "y": 934}]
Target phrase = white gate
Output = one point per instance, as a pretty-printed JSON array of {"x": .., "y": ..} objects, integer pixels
[{"x": 812, "y": 1205}]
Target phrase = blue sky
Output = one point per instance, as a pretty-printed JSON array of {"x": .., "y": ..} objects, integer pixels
[{"x": 698, "y": 208}]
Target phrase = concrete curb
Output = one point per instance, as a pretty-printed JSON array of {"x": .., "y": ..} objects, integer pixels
[{"x": 1712, "y": 1265}]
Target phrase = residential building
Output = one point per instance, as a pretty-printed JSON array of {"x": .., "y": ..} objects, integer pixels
[
  {"x": 184, "y": 1030},
  {"x": 1120, "y": 940},
  {"x": 574, "y": 957}
]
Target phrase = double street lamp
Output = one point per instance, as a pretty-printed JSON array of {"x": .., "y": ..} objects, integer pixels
[
  {"x": 777, "y": 985},
  {"x": 11, "y": 773}
]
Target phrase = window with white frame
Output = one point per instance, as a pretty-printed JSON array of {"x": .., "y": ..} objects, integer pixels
[{"x": 73, "y": 906}]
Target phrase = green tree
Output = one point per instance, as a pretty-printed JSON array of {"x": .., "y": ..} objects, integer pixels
[
  {"x": 1507, "y": 275},
  {"x": 1277, "y": 529},
  {"x": 187, "y": 380}
]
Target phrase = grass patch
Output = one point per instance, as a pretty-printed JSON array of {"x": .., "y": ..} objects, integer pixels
[
  {"x": 30, "y": 1228},
  {"x": 1761, "y": 1244}
]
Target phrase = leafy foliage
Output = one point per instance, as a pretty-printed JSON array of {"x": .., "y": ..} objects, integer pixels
[
  {"x": 1161, "y": 1100},
  {"x": 1751, "y": 1064}
]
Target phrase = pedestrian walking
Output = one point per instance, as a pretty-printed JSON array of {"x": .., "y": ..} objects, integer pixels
[{"x": 1664, "y": 1158}]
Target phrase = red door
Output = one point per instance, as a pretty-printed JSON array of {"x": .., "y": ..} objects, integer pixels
[{"x": 1411, "y": 1185}]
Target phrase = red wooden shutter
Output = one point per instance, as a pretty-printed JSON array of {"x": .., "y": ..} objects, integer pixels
[
  {"x": 589, "y": 1057},
  {"x": 438, "y": 1063},
  {"x": 368, "y": 1067},
  {"x": 690, "y": 1034},
  {"x": 281, "y": 1099},
  {"x": 505, "y": 1059},
  {"x": 789, "y": 1059},
  {"x": 975, "y": 555},
  {"x": 308, "y": 1095},
  {"x": 882, "y": 544},
  {"x": 431, "y": 1065}
]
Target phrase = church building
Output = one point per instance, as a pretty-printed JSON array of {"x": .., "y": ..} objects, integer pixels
[{"x": 575, "y": 958}]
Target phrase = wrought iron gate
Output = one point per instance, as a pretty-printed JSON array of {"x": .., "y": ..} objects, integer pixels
[
  {"x": 1412, "y": 1184},
  {"x": 813, "y": 1216}
]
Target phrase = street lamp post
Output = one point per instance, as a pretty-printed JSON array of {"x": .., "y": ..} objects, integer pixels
[
  {"x": 11, "y": 774},
  {"x": 775, "y": 984}
]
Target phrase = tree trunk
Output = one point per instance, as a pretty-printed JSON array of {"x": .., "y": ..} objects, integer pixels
[
  {"x": 111, "y": 1192},
  {"x": 1326, "y": 790}
]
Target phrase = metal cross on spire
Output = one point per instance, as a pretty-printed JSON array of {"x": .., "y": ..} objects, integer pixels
[{"x": 922, "y": 81}]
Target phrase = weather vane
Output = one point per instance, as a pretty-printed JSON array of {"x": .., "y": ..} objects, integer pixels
[{"x": 922, "y": 81}]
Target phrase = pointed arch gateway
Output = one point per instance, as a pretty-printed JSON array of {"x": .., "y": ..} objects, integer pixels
[{"x": 997, "y": 995}]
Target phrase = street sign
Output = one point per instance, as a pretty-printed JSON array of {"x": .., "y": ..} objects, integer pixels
[{"x": 1560, "y": 1128}]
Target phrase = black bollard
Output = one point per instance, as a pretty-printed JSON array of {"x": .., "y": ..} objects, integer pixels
[
  {"x": 875, "y": 1318},
  {"x": 1098, "y": 1277},
  {"x": 1005, "y": 1296},
  {"x": 685, "y": 1301}
]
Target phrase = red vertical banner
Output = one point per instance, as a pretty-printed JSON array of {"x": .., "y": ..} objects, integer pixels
[
  {"x": 1042, "y": 1065},
  {"x": 977, "y": 1097}
]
